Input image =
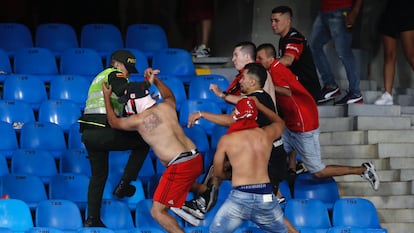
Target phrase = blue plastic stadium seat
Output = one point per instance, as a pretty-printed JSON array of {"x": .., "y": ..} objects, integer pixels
[
  {"x": 75, "y": 161},
  {"x": 26, "y": 88},
  {"x": 81, "y": 61},
  {"x": 15, "y": 215},
  {"x": 116, "y": 215},
  {"x": 102, "y": 37},
  {"x": 308, "y": 213},
  {"x": 28, "y": 188},
  {"x": 39, "y": 62},
  {"x": 351, "y": 229},
  {"x": 144, "y": 219},
  {"x": 199, "y": 88},
  {"x": 95, "y": 230},
  {"x": 325, "y": 189},
  {"x": 64, "y": 113},
  {"x": 64, "y": 37},
  {"x": 75, "y": 137},
  {"x": 356, "y": 212},
  {"x": 5, "y": 65},
  {"x": 8, "y": 142},
  {"x": 40, "y": 163},
  {"x": 70, "y": 87},
  {"x": 44, "y": 230},
  {"x": 70, "y": 186},
  {"x": 14, "y": 36},
  {"x": 149, "y": 38},
  {"x": 175, "y": 61},
  {"x": 43, "y": 136},
  {"x": 56, "y": 213},
  {"x": 16, "y": 113},
  {"x": 191, "y": 106}
]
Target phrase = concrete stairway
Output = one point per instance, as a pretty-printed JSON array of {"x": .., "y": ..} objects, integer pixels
[{"x": 356, "y": 133}]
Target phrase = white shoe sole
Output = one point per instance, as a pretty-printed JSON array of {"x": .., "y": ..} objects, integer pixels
[{"x": 186, "y": 216}]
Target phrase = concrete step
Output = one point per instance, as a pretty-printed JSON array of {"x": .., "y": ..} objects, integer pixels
[
  {"x": 350, "y": 151},
  {"x": 402, "y": 163},
  {"x": 330, "y": 124},
  {"x": 407, "y": 175},
  {"x": 390, "y": 136},
  {"x": 404, "y": 100},
  {"x": 372, "y": 110},
  {"x": 331, "y": 111},
  {"x": 363, "y": 188},
  {"x": 343, "y": 138},
  {"x": 399, "y": 227},
  {"x": 386, "y": 150},
  {"x": 382, "y": 122}
]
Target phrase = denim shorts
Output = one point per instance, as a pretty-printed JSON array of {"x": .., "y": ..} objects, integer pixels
[
  {"x": 261, "y": 209},
  {"x": 307, "y": 145}
]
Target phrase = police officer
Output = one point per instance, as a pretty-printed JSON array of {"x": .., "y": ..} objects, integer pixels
[{"x": 99, "y": 138}]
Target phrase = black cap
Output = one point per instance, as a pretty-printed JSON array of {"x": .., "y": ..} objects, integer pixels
[
  {"x": 134, "y": 90},
  {"x": 126, "y": 58}
]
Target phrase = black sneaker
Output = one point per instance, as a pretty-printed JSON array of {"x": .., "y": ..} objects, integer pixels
[
  {"x": 329, "y": 92},
  {"x": 192, "y": 208},
  {"x": 93, "y": 222},
  {"x": 350, "y": 99},
  {"x": 124, "y": 189}
]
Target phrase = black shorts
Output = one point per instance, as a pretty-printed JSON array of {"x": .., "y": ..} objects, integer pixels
[{"x": 397, "y": 17}]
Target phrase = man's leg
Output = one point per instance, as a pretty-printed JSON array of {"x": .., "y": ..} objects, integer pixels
[{"x": 160, "y": 213}]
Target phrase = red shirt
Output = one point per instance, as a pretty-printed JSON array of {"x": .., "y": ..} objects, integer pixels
[
  {"x": 234, "y": 87},
  {"x": 299, "y": 111},
  {"x": 331, "y": 5}
]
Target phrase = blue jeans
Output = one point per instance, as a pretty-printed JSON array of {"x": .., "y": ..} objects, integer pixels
[
  {"x": 331, "y": 26},
  {"x": 262, "y": 209}
]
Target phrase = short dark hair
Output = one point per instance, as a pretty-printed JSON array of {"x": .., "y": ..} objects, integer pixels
[
  {"x": 268, "y": 48},
  {"x": 283, "y": 10},
  {"x": 257, "y": 70},
  {"x": 247, "y": 47}
]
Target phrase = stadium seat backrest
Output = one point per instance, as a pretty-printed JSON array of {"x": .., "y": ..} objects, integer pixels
[
  {"x": 40, "y": 62},
  {"x": 70, "y": 87},
  {"x": 357, "y": 212},
  {"x": 199, "y": 137},
  {"x": 75, "y": 137},
  {"x": 64, "y": 37},
  {"x": 8, "y": 142},
  {"x": 15, "y": 214},
  {"x": 116, "y": 215},
  {"x": 325, "y": 189},
  {"x": 199, "y": 88},
  {"x": 81, "y": 61},
  {"x": 70, "y": 186},
  {"x": 16, "y": 113},
  {"x": 75, "y": 161},
  {"x": 95, "y": 230},
  {"x": 350, "y": 229},
  {"x": 307, "y": 213},
  {"x": 14, "y": 36},
  {"x": 28, "y": 188},
  {"x": 56, "y": 213},
  {"x": 44, "y": 136},
  {"x": 64, "y": 113},
  {"x": 102, "y": 37},
  {"x": 5, "y": 65},
  {"x": 40, "y": 163},
  {"x": 26, "y": 88},
  {"x": 149, "y": 38},
  {"x": 175, "y": 61},
  {"x": 192, "y": 106}
]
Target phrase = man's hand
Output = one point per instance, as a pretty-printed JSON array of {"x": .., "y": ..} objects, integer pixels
[
  {"x": 195, "y": 116},
  {"x": 106, "y": 89},
  {"x": 149, "y": 74},
  {"x": 215, "y": 88}
]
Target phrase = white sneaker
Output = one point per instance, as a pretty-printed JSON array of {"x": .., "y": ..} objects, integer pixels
[
  {"x": 370, "y": 175},
  {"x": 201, "y": 51},
  {"x": 186, "y": 216},
  {"x": 384, "y": 99}
]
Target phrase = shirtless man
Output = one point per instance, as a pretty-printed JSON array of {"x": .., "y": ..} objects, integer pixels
[
  {"x": 247, "y": 148},
  {"x": 158, "y": 125}
]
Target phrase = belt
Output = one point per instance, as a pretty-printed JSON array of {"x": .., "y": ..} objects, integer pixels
[
  {"x": 278, "y": 143},
  {"x": 184, "y": 156}
]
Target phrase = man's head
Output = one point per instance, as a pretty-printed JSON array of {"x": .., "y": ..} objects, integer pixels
[
  {"x": 243, "y": 53},
  {"x": 245, "y": 115},
  {"x": 281, "y": 20},
  {"x": 137, "y": 98},
  {"x": 126, "y": 58},
  {"x": 253, "y": 79},
  {"x": 266, "y": 54}
]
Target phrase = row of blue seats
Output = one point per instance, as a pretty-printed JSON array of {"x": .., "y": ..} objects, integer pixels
[
  {"x": 307, "y": 215},
  {"x": 103, "y": 38},
  {"x": 87, "y": 62},
  {"x": 31, "y": 89}
]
